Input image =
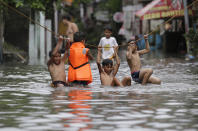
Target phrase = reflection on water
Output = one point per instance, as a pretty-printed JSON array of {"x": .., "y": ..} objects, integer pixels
[
  {"x": 74, "y": 103},
  {"x": 27, "y": 102}
]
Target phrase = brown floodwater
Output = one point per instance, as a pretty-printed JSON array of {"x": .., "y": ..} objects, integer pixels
[{"x": 28, "y": 103}]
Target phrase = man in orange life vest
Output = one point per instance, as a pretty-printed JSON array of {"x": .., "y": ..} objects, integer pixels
[{"x": 79, "y": 72}]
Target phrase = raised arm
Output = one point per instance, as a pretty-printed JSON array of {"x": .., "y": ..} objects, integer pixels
[
  {"x": 66, "y": 50},
  {"x": 99, "y": 60},
  {"x": 117, "y": 65},
  {"x": 58, "y": 45},
  {"x": 100, "y": 44},
  {"x": 90, "y": 55},
  {"x": 129, "y": 52},
  {"x": 147, "y": 49},
  {"x": 115, "y": 44},
  {"x": 55, "y": 50}
]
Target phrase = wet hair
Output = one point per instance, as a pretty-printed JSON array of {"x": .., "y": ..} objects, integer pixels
[
  {"x": 106, "y": 62},
  {"x": 133, "y": 40},
  {"x": 130, "y": 41},
  {"x": 67, "y": 17},
  {"x": 108, "y": 27},
  {"x": 79, "y": 36},
  {"x": 136, "y": 37},
  {"x": 50, "y": 53},
  {"x": 50, "y": 61}
]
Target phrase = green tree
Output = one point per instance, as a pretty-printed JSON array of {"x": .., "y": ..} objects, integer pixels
[{"x": 41, "y": 5}]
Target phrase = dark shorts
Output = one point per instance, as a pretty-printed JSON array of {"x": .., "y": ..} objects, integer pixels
[
  {"x": 83, "y": 83},
  {"x": 135, "y": 76},
  {"x": 55, "y": 83}
]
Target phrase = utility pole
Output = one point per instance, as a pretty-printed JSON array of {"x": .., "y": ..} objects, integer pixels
[
  {"x": 55, "y": 18},
  {"x": 186, "y": 18}
]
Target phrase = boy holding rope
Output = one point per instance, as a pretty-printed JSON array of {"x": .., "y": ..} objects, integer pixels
[
  {"x": 108, "y": 71},
  {"x": 56, "y": 65},
  {"x": 138, "y": 74}
]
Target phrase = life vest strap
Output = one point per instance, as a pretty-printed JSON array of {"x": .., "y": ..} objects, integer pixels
[{"x": 79, "y": 65}]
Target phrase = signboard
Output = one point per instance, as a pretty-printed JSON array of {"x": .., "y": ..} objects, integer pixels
[
  {"x": 118, "y": 17},
  {"x": 102, "y": 16},
  {"x": 162, "y": 9}
]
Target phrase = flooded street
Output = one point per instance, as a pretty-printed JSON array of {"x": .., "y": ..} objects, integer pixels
[{"x": 27, "y": 102}]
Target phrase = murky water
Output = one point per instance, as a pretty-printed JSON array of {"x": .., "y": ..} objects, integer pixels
[{"x": 27, "y": 102}]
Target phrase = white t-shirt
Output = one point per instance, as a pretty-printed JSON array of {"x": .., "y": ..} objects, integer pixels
[{"x": 107, "y": 53}]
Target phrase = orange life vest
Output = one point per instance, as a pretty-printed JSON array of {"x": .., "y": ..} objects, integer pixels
[{"x": 79, "y": 68}]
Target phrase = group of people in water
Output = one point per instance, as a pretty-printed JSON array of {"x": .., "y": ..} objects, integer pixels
[{"x": 79, "y": 72}]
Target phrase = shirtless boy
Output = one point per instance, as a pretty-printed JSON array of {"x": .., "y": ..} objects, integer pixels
[
  {"x": 108, "y": 71},
  {"x": 141, "y": 75},
  {"x": 56, "y": 65}
]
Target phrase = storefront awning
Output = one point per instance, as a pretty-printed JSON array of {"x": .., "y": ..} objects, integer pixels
[{"x": 162, "y": 9}]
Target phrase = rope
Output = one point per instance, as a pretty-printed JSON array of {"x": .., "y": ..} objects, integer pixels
[
  {"x": 27, "y": 17},
  {"x": 163, "y": 23},
  {"x": 22, "y": 14}
]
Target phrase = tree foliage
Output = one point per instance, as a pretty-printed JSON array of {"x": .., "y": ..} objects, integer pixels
[
  {"x": 35, "y": 4},
  {"x": 111, "y": 5}
]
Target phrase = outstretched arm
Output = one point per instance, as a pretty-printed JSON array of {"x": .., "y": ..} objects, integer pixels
[
  {"x": 147, "y": 49},
  {"x": 129, "y": 52},
  {"x": 116, "y": 67},
  {"x": 98, "y": 60}
]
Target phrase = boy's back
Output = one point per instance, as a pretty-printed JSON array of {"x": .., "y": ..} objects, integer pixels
[{"x": 79, "y": 70}]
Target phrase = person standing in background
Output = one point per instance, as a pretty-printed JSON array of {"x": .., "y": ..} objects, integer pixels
[
  {"x": 108, "y": 43},
  {"x": 67, "y": 28}
]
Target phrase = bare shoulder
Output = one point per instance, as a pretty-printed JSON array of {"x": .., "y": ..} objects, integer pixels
[
  {"x": 128, "y": 47},
  {"x": 74, "y": 25},
  {"x": 51, "y": 68},
  {"x": 50, "y": 65},
  {"x": 102, "y": 72}
]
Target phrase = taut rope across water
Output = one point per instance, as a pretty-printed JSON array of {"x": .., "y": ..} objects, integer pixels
[{"x": 55, "y": 34}]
